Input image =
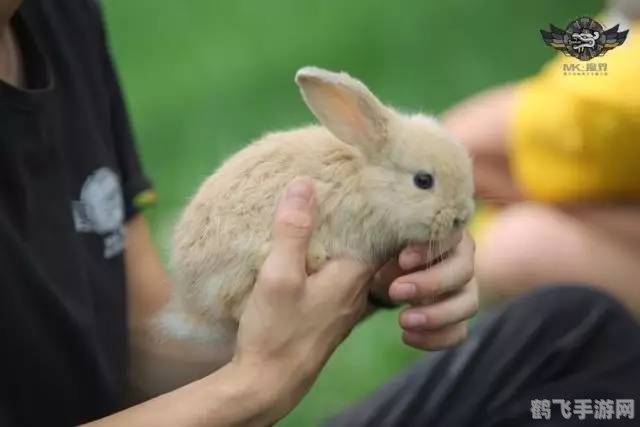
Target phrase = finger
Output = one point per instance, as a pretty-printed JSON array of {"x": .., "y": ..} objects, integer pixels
[
  {"x": 292, "y": 229},
  {"x": 417, "y": 255},
  {"x": 436, "y": 340},
  {"x": 459, "y": 307},
  {"x": 387, "y": 274},
  {"x": 410, "y": 259},
  {"x": 413, "y": 256},
  {"x": 449, "y": 275}
]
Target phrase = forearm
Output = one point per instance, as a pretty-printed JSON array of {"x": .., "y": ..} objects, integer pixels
[
  {"x": 232, "y": 396},
  {"x": 481, "y": 123}
]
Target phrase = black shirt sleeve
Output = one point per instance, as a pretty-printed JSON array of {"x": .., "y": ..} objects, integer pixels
[{"x": 137, "y": 189}]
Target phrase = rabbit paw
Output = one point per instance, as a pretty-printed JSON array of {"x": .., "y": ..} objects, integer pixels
[{"x": 316, "y": 256}]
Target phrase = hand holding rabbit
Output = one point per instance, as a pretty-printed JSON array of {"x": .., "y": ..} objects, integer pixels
[
  {"x": 293, "y": 321},
  {"x": 441, "y": 297}
]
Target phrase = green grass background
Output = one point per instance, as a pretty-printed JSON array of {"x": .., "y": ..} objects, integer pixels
[{"x": 204, "y": 77}]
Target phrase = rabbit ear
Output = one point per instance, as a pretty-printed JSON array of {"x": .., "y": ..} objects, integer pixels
[{"x": 345, "y": 106}]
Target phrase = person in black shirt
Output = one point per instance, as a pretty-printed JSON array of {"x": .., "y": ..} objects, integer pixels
[{"x": 79, "y": 279}]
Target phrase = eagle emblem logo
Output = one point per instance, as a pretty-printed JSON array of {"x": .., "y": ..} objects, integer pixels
[{"x": 584, "y": 38}]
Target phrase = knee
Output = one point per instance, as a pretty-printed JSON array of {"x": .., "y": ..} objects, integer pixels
[{"x": 518, "y": 248}]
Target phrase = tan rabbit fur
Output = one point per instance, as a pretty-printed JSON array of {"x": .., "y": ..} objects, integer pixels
[{"x": 362, "y": 161}]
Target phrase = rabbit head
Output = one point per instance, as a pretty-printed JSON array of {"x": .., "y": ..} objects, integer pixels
[{"x": 415, "y": 173}]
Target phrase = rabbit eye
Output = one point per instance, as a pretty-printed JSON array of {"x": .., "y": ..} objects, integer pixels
[{"x": 423, "y": 180}]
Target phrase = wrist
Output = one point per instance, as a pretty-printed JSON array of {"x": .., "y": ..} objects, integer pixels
[
  {"x": 259, "y": 390},
  {"x": 243, "y": 396},
  {"x": 281, "y": 382}
]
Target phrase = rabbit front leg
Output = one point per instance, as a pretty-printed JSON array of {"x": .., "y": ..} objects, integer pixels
[
  {"x": 316, "y": 255},
  {"x": 234, "y": 296}
]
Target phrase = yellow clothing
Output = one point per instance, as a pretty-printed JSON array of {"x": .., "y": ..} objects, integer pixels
[{"x": 577, "y": 137}]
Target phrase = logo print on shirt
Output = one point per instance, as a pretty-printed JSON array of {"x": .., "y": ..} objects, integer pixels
[{"x": 100, "y": 210}]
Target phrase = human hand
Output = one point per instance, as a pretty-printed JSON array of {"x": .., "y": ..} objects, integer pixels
[
  {"x": 293, "y": 322},
  {"x": 441, "y": 297}
]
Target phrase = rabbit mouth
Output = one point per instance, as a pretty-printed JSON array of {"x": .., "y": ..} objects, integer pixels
[
  {"x": 435, "y": 232},
  {"x": 441, "y": 248}
]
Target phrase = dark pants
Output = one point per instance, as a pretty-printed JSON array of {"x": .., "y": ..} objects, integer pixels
[{"x": 564, "y": 342}]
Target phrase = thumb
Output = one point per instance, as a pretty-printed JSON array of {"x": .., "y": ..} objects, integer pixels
[{"x": 293, "y": 224}]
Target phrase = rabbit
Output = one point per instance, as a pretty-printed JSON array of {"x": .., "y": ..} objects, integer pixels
[{"x": 383, "y": 180}]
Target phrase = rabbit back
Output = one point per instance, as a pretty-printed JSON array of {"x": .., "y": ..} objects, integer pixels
[{"x": 219, "y": 242}]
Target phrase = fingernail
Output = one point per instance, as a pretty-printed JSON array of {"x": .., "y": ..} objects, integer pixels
[
  {"x": 403, "y": 291},
  {"x": 299, "y": 192},
  {"x": 412, "y": 320}
]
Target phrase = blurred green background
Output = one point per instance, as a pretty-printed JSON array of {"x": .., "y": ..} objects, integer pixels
[{"x": 204, "y": 77}]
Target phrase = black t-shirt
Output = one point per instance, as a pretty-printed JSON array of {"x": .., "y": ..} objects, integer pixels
[{"x": 69, "y": 180}]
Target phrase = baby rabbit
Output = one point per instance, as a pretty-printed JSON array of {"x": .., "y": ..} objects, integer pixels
[{"x": 382, "y": 179}]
